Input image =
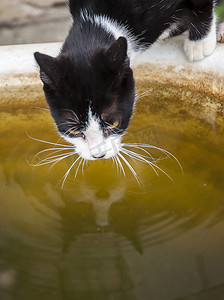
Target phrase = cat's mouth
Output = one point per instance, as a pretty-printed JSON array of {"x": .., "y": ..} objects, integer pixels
[
  {"x": 91, "y": 150},
  {"x": 89, "y": 155}
]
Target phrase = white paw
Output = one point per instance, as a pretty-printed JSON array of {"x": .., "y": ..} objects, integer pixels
[
  {"x": 220, "y": 36},
  {"x": 200, "y": 49}
]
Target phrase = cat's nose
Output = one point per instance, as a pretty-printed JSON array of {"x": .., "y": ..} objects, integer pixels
[{"x": 98, "y": 156}]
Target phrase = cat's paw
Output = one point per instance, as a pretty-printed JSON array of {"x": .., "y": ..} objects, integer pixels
[
  {"x": 220, "y": 36},
  {"x": 198, "y": 50}
]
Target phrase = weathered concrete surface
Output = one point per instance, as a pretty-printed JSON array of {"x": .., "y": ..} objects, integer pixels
[
  {"x": 163, "y": 62},
  {"x": 162, "y": 70}
]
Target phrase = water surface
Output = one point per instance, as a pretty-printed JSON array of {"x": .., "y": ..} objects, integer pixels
[{"x": 103, "y": 236}]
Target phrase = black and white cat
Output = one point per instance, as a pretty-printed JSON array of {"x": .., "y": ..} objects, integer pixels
[{"x": 90, "y": 87}]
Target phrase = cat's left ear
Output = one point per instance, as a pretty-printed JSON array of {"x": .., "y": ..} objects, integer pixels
[
  {"x": 117, "y": 54},
  {"x": 48, "y": 68}
]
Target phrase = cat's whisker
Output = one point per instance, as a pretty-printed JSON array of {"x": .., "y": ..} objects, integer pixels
[
  {"x": 142, "y": 95},
  {"x": 74, "y": 116},
  {"x": 83, "y": 166},
  {"x": 42, "y": 108},
  {"x": 167, "y": 153},
  {"x": 115, "y": 161},
  {"x": 76, "y": 172},
  {"x": 153, "y": 165},
  {"x": 130, "y": 167},
  {"x": 62, "y": 159},
  {"x": 161, "y": 170},
  {"x": 138, "y": 157},
  {"x": 149, "y": 155},
  {"x": 63, "y": 179},
  {"x": 50, "y": 143},
  {"x": 68, "y": 123},
  {"x": 54, "y": 152},
  {"x": 117, "y": 131},
  {"x": 49, "y": 149},
  {"x": 72, "y": 128},
  {"x": 120, "y": 164},
  {"x": 52, "y": 160}
]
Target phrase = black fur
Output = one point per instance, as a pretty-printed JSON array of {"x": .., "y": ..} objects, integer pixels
[{"x": 147, "y": 19}]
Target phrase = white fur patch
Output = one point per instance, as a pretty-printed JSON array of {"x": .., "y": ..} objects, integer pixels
[
  {"x": 198, "y": 50},
  {"x": 96, "y": 145},
  {"x": 220, "y": 35},
  {"x": 166, "y": 34},
  {"x": 117, "y": 30}
]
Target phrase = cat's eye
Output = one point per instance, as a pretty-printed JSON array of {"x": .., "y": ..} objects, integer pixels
[
  {"x": 111, "y": 129},
  {"x": 76, "y": 133},
  {"x": 73, "y": 132},
  {"x": 114, "y": 125}
]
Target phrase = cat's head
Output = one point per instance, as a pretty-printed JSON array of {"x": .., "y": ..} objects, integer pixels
[{"x": 91, "y": 97}]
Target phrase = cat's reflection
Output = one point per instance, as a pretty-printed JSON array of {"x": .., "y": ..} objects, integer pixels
[
  {"x": 85, "y": 238},
  {"x": 101, "y": 199},
  {"x": 100, "y": 187}
]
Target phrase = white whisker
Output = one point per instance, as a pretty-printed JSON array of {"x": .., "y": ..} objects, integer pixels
[
  {"x": 83, "y": 166},
  {"x": 67, "y": 122},
  {"x": 71, "y": 128},
  {"x": 78, "y": 167},
  {"x": 135, "y": 145},
  {"x": 55, "y": 150},
  {"x": 74, "y": 116},
  {"x": 120, "y": 164},
  {"x": 130, "y": 167},
  {"x": 49, "y": 158},
  {"x": 52, "y": 160},
  {"x": 50, "y": 143},
  {"x": 66, "y": 174},
  {"x": 149, "y": 154},
  {"x": 61, "y": 159},
  {"x": 143, "y": 94},
  {"x": 153, "y": 166},
  {"x": 115, "y": 161},
  {"x": 137, "y": 157},
  {"x": 42, "y": 108}
]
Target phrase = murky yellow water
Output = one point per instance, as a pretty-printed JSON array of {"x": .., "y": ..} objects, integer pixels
[{"x": 103, "y": 236}]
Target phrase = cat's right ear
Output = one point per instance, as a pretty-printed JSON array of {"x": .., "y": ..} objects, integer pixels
[
  {"x": 48, "y": 68},
  {"x": 117, "y": 54}
]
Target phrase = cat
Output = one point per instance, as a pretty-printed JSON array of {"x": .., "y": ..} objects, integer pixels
[{"x": 90, "y": 87}]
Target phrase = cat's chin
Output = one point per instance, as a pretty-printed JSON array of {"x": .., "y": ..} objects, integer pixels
[{"x": 105, "y": 149}]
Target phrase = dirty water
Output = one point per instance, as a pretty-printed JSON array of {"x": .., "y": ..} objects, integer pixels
[{"x": 104, "y": 235}]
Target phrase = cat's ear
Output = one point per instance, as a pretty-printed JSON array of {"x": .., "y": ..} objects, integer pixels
[
  {"x": 117, "y": 54},
  {"x": 48, "y": 68}
]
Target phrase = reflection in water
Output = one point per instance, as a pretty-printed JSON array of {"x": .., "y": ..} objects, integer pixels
[
  {"x": 101, "y": 196},
  {"x": 103, "y": 236}
]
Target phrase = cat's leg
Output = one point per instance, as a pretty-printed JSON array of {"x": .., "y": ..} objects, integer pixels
[
  {"x": 202, "y": 31},
  {"x": 220, "y": 36}
]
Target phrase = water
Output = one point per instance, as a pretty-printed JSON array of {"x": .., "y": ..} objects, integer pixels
[{"x": 103, "y": 236}]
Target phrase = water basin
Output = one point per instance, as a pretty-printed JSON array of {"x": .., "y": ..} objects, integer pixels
[{"x": 106, "y": 235}]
